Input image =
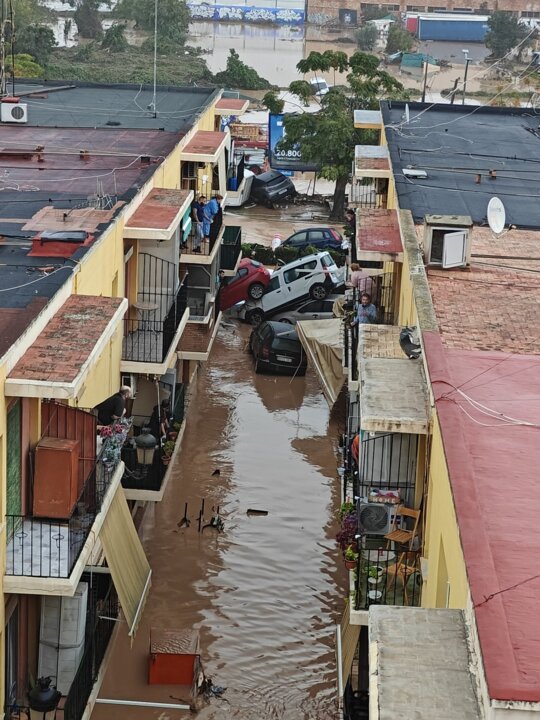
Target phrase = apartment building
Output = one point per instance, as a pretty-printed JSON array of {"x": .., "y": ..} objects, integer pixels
[
  {"x": 442, "y": 393},
  {"x": 95, "y": 292}
]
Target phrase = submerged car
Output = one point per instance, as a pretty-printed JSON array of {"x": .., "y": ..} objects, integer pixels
[
  {"x": 271, "y": 187},
  {"x": 250, "y": 281},
  {"x": 277, "y": 349},
  {"x": 309, "y": 310},
  {"x": 322, "y": 238}
]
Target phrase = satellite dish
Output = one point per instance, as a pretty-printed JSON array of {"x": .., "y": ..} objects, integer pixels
[
  {"x": 407, "y": 115},
  {"x": 496, "y": 215}
]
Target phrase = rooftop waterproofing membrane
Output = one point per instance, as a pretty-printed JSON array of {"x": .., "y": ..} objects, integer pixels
[{"x": 470, "y": 154}]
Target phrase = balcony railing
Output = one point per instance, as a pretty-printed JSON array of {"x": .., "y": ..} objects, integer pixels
[
  {"x": 374, "y": 195},
  {"x": 49, "y": 548},
  {"x": 149, "y": 341},
  {"x": 100, "y": 625},
  {"x": 387, "y": 577},
  {"x": 231, "y": 247},
  {"x": 141, "y": 477}
]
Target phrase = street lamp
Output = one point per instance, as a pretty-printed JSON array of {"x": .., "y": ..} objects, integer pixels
[
  {"x": 43, "y": 700},
  {"x": 146, "y": 444},
  {"x": 467, "y": 61}
]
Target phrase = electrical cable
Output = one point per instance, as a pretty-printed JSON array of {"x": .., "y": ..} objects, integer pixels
[{"x": 48, "y": 275}]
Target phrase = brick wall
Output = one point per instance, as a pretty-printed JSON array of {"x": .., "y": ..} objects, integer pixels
[{"x": 196, "y": 337}]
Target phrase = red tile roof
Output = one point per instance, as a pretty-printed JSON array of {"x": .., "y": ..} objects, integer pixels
[
  {"x": 66, "y": 343},
  {"x": 205, "y": 142},
  {"x": 159, "y": 209},
  {"x": 378, "y": 232},
  {"x": 493, "y": 469}
]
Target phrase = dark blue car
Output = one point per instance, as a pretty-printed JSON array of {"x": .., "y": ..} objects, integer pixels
[{"x": 322, "y": 238}]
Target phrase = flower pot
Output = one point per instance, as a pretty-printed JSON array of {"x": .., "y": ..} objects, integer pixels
[
  {"x": 172, "y": 435},
  {"x": 165, "y": 459},
  {"x": 350, "y": 564}
]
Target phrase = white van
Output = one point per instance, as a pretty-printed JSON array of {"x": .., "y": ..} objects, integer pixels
[
  {"x": 319, "y": 86},
  {"x": 314, "y": 276}
]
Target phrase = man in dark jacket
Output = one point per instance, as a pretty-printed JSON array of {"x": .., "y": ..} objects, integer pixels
[{"x": 114, "y": 407}]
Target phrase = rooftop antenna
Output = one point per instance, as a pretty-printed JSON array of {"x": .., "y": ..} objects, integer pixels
[
  {"x": 496, "y": 215},
  {"x": 154, "y": 108}
]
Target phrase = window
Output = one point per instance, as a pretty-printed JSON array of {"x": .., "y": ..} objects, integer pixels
[
  {"x": 448, "y": 247},
  {"x": 273, "y": 284},
  {"x": 240, "y": 275},
  {"x": 299, "y": 238},
  {"x": 316, "y": 236},
  {"x": 313, "y": 306},
  {"x": 326, "y": 260},
  {"x": 297, "y": 272}
]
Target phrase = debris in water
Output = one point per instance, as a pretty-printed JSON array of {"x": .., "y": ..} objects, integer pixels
[
  {"x": 185, "y": 521},
  {"x": 215, "y": 522},
  {"x": 217, "y": 471},
  {"x": 252, "y": 511}
]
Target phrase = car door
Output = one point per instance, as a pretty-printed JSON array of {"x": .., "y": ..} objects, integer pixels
[
  {"x": 274, "y": 293},
  {"x": 311, "y": 310},
  {"x": 298, "y": 240},
  {"x": 317, "y": 239},
  {"x": 299, "y": 279},
  {"x": 236, "y": 290}
]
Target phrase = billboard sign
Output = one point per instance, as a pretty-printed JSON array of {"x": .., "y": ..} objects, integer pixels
[{"x": 281, "y": 159}]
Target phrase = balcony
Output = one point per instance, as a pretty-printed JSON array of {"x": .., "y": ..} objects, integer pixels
[
  {"x": 48, "y": 555},
  {"x": 208, "y": 248},
  {"x": 372, "y": 195},
  {"x": 156, "y": 321},
  {"x": 231, "y": 249}
]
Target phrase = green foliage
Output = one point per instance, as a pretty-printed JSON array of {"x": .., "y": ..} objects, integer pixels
[
  {"x": 29, "y": 12},
  {"x": 173, "y": 19},
  {"x": 25, "y": 66},
  {"x": 373, "y": 12},
  {"x": 37, "y": 41},
  {"x": 240, "y": 75},
  {"x": 267, "y": 256},
  {"x": 346, "y": 508},
  {"x": 87, "y": 19},
  {"x": 350, "y": 554},
  {"x": 327, "y": 138},
  {"x": 366, "y": 37},
  {"x": 301, "y": 89},
  {"x": 92, "y": 64},
  {"x": 114, "y": 39},
  {"x": 504, "y": 32},
  {"x": 168, "y": 448},
  {"x": 273, "y": 104},
  {"x": 399, "y": 39}
]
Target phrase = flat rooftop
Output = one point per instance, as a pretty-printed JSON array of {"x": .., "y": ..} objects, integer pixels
[
  {"x": 493, "y": 470},
  {"x": 494, "y": 304},
  {"x": 88, "y": 105},
  {"x": 454, "y": 144}
]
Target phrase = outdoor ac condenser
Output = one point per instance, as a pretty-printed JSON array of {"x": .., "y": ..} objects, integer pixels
[{"x": 374, "y": 518}]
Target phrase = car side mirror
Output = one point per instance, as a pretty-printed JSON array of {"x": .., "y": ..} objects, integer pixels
[{"x": 280, "y": 263}]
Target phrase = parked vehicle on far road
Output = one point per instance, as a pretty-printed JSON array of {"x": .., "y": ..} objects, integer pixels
[
  {"x": 312, "y": 276},
  {"x": 308, "y": 310},
  {"x": 277, "y": 349},
  {"x": 271, "y": 187},
  {"x": 319, "y": 237},
  {"x": 319, "y": 86},
  {"x": 250, "y": 281}
]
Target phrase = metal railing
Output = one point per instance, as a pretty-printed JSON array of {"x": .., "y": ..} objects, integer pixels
[
  {"x": 46, "y": 547},
  {"x": 100, "y": 625},
  {"x": 149, "y": 341},
  {"x": 231, "y": 247},
  {"x": 388, "y": 462},
  {"x": 215, "y": 228},
  {"x": 144, "y": 477},
  {"x": 385, "y": 577},
  {"x": 179, "y": 402},
  {"x": 368, "y": 196}
]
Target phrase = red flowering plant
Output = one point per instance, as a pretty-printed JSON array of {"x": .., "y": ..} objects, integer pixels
[{"x": 349, "y": 529}]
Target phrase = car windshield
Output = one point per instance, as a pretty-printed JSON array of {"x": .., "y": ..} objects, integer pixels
[
  {"x": 326, "y": 260},
  {"x": 255, "y": 263},
  {"x": 319, "y": 85},
  {"x": 285, "y": 344}
]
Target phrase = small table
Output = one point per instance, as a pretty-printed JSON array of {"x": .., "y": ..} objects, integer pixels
[
  {"x": 146, "y": 311},
  {"x": 382, "y": 556}
]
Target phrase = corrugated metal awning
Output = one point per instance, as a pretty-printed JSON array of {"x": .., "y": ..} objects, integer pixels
[{"x": 125, "y": 557}]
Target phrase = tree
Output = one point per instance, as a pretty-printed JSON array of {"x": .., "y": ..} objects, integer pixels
[
  {"x": 115, "y": 39},
  {"x": 327, "y": 138},
  {"x": 274, "y": 104},
  {"x": 399, "y": 39},
  {"x": 37, "y": 41},
  {"x": 173, "y": 19},
  {"x": 87, "y": 18},
  {"x": 240, "y": 75},
  {"x": 29, "y": 12},
  {"x": 366, "y": 37},
  {"x": 25, "y": 66},
  {"x": 373, "y": 12},
  {"x": 504, "y": 32}
]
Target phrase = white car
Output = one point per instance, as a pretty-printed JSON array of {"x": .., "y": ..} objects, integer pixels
[
  {"x": 319, "y": 86},
  {"x": 308, "y": 310},
  {"x": 312, "y": 276}
]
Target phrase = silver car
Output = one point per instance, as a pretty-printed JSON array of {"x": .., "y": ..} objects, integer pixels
[{"x": 308, "y": 310}]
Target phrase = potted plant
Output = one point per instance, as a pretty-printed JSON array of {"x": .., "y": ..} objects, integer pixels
[
  {"x": 374, "y": 574},
  {"x": 351, "y": 558},
  {"x": 349, "y": 530},
  {"x": 168, "y": 448},
  {"x": 173, "y": 433}
]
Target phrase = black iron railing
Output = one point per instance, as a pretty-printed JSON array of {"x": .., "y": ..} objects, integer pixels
[
  {"x": 143, "y": 477},
  {"x": 231, "y": 247},
  {"x": 148, "y": 340},
  {"x": 215, "y": 228},
  {"x": 45, "y": 547},
  {"x": 387, "y": 577},
  {"x": 179, "y": 403},
  {"x": 102, "y": 615},
  {"x": 388, "y": 462}
]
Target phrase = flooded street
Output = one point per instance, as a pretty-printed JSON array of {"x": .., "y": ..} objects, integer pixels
[{"x": 265, "y": 595}]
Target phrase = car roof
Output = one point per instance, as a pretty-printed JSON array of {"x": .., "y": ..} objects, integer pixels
[
  {"x": 318, "y": 227},
  {"x": 304, "y": 258},
  {"x": 268, "y": 175}
]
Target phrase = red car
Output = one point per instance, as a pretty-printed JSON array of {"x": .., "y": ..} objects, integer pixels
[{"x": 250, "y": 282}]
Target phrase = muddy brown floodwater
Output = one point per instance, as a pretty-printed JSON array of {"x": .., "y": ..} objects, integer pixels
[{"x": 265, "y": 594}]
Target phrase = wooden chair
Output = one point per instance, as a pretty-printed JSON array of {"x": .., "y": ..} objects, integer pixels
[
  {"x": 401, "y": 535},
  {"x": 405, "y": 567}
]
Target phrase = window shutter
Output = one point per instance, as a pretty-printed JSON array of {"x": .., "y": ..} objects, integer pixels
[{"x": 454, "y": 246}]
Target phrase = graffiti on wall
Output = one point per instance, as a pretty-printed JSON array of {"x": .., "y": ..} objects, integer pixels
[{"x": 252, "y": 14}]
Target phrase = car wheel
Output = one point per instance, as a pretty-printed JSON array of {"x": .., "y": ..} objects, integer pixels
[
  {"x": 256, "y": 291},
  {"x": 286, "y": 321},
  {"x": 258, "y": 369},
  {"x": 317, "y": 292},
  {"x": 255, "y": 317}
]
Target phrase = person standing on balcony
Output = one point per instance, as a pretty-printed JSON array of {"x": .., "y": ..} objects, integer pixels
[
  {"x": 114, "y": 407},
  {"x": 212, "y": 214},
  {"x": 197, "y": 214},
  {"x": 360, "y": 279},
  {"x": 367, "y": 312}
]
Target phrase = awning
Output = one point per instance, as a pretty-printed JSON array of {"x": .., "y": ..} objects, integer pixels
[
  {"x": 66, "y": 351},
  {"x": 205, "y": 146},
  {"x": 349, "y": 635},
  {"x": 125, "y": 557},
  {"x": 393, "y": 390},
  {"x": 323, "y": 342},
  {"x": 231, "y": 106},
  {"x": 159, "y": 214}
]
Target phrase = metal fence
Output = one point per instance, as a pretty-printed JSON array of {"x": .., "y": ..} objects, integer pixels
[
  {"x": 231, "y": 247},
  {"x": 46, "y": 547},
  {"x": 387, "y": 577},
  {"x": 388, "y": 462}
]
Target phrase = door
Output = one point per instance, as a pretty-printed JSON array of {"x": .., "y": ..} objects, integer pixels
[
  {"x": 298, "y": 240},
  {"x": 274, "y": 295},
  {"x": 317, "y": 239},
  {"x": 300, "y": 278},
  {"x": 312, "y": 309}
]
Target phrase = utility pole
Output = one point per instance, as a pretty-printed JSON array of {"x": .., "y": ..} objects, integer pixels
[
  {"x": 425, "y": 78},
  {"x": 467, "y": 61},
  {"x": 454, "y": 91}
]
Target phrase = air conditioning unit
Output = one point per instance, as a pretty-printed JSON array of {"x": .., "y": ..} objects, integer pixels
[
  {"x": 13, "y": 112},
  {"x": 374, "y": 518}
]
